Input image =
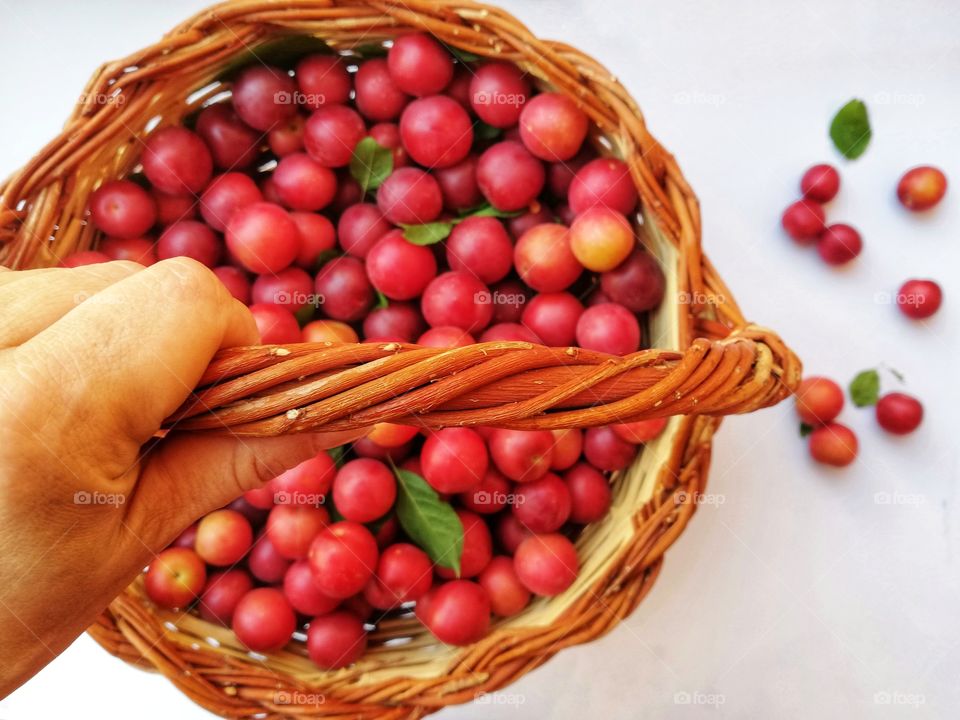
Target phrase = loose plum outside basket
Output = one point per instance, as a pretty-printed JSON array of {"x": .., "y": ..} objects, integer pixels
[{"x": 711, "y": 363}]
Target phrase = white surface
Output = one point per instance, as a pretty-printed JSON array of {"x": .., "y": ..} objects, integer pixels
[{"x": 800, "y": 595}]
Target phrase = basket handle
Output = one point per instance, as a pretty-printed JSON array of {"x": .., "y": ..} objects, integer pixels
[{"x": 315, "y": 387}]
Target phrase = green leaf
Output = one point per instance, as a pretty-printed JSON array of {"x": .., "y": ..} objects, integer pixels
[
  {"x": 429, "y": 521},
  {"x": 850, "y": 129},
  {"x": 371, "y": 164},
  {"x": 305, "y": 314},
  {"x": 865, "y": 388},
  {"x": 370, "y": 50},
  {"x": 805, "y": 429},
  {"x": 483, "y": 131},
  {"x": 382, "y": 301},
  {"x": 463, "y": 56},
  {"x": 323, "y": 257},
  {"x": 428, "y": 233},
  {"x": 283, "y": 52},
  {"x": 337, "y": 454},
  {"x": 491, "y": 211}
]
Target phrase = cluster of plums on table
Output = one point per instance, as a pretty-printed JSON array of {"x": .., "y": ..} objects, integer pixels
[{"x": 271, "y": 189}]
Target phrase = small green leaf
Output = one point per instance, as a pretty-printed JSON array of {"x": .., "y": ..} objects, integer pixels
[
  {"x": 382, "y": 301},
  {"x": 483, "y": 131},
  {"x": 337, "y": 454},
  {"x": 463, "y": 56},
  {"x": 865, "y": 388},
  {"x": 304, "y": 314},
  {"x": 429, "y": 521},
  {"x": 428, "y": 233},
  {"x": 370, "y": 50},
  {"x": 324, "y": 257},
  {"x": 371, "y": 164},
  {"x": 491, "y": 211},
  {"x": 850, "y": 129},
  {"x": 805, "y": 429}
]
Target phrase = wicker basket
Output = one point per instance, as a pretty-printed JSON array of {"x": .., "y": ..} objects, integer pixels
[{"x": 713, "y": 364}]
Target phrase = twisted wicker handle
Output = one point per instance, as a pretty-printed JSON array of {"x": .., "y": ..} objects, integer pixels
[{"x": 272, "y": 390}]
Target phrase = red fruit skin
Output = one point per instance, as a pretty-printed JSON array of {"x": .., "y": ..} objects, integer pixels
[
  {"x": 264, "y": 620},
  {"x": 436, "y": 131},
  {"x": 522, "y": 455},
  {"x": 404, "y": 572},
  {"x": 457, "y": 299},
  {"x": 265, "y": 563},
  {"x": 803, "y": 221},
  {"x": 820, "y": 183},
  {"x": 604, "y": 449},
  {"x": 263, "y": 237},
  {"x": 347, "y": 293},
  {"x": 833, "y": 444},
  {"x": 480, "y": 246},
  {"x": 542, "y": 505},
  {"x": 445, "y": 336},
  {"x": 378, "y": 97},
  {"x": 223, "y": 537},
  {"x": 336, "y": 640},
  {"x": 175, "y": 577},
  {"x": 458, "y": 184},
  {"x": 510, "y": 533},
  {"x": 304, "y": 184},
  {"x": 546, "y": 564},
  {"x": 176, "y": 161},
  {"x": 233, "y": 144},
  {"x": 511, "y": 332},
  {"x": 343, "y": 558},
  {"x": 364, "y": 490},
  {"x": 490, "y": 496},
  {"x": 122, "y": 209},
  {"x": 899, "y": 413},
  {"x": 84, "y": 257},
  {"x": 498, "y": 91},
  {"x": 331, "y": 134},
  {"x": 839, "y": 244},
  {"x": 568, "y": 445},
  {"x": 921, "y": 188},
  {"x": 138, "y": 250},
  {"x": 552, "y": 127},
  {"x": 638, "y": 283},
  {"x": 544, "y": 260},
  {"x": 509, "y": 176},
  {"x": 292, "y": 528},
  {"x": 221, "y": 595},
  {"x": 398, "y": 322},
  {"x": 398, "y": 268},
  {"x": 192, "y": 239},
  {"x": 264, "y": 96},
  {"x": 456, "y": 612},
  {"x": 606, "y": 182},
  {"x": 454, "y": 460},
  {"x": 317, "y": 235},
  {"x": 590, "y": 493},
  {"x": 323, "y": 79},
  {"x": 553, "y": 318},
  {"x": 919, "y": 299},
  {"x": 359, "y": 228},
  {"x": 306, "y": 483},
  {"x": 303, "y": 593},
  {"x": 641, "y": 431},
  {"x": 819, "y": 400},
  {"x": 276, "y": 324},
  {"x": 477, "y": 547},
  {"x": 419, "y": 65},
  {"x": 409, "y": 196},
  {"x": 507, "y": 594},
  {"x": 226, "y": 194},
  {"x": 608, "y": 328}
]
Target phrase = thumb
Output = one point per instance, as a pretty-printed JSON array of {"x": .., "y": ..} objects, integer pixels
[{"x": 186, "y": 476}]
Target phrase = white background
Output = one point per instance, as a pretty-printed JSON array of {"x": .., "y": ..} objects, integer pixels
[{"x": 801, "y": 595}]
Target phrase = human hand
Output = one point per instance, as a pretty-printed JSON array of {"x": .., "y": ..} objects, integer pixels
[{"x": 92, "y": 360}]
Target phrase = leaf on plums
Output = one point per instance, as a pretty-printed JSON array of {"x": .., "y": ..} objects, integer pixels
[
  {"x": 371, "y": 164},
  {"x": 429, "y": 521},
  {"x": 491, "y": 211},
  {"x": 865, "y": 388},
  {"x": 485, "y": 131},
  {"x": 805, "y": 429},
  {"x": 463, "y": 56},
  {"x": 337, "y": 454},
  {"x": 283, "y": 52},
  {"x": 428, "y": 233},
  {"x": 369, "y": 50},
  {"x": 382, "y": 301},
  {"x": 850, "y": 129}
]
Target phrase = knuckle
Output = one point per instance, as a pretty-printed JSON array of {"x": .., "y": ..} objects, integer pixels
[{"x": 186, "y": 278}]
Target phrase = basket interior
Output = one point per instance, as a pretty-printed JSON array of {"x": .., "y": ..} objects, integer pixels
[{"x": 400, "y": 646}]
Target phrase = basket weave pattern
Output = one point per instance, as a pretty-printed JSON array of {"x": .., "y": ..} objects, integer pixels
[{"x": 716, "y": 364}]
